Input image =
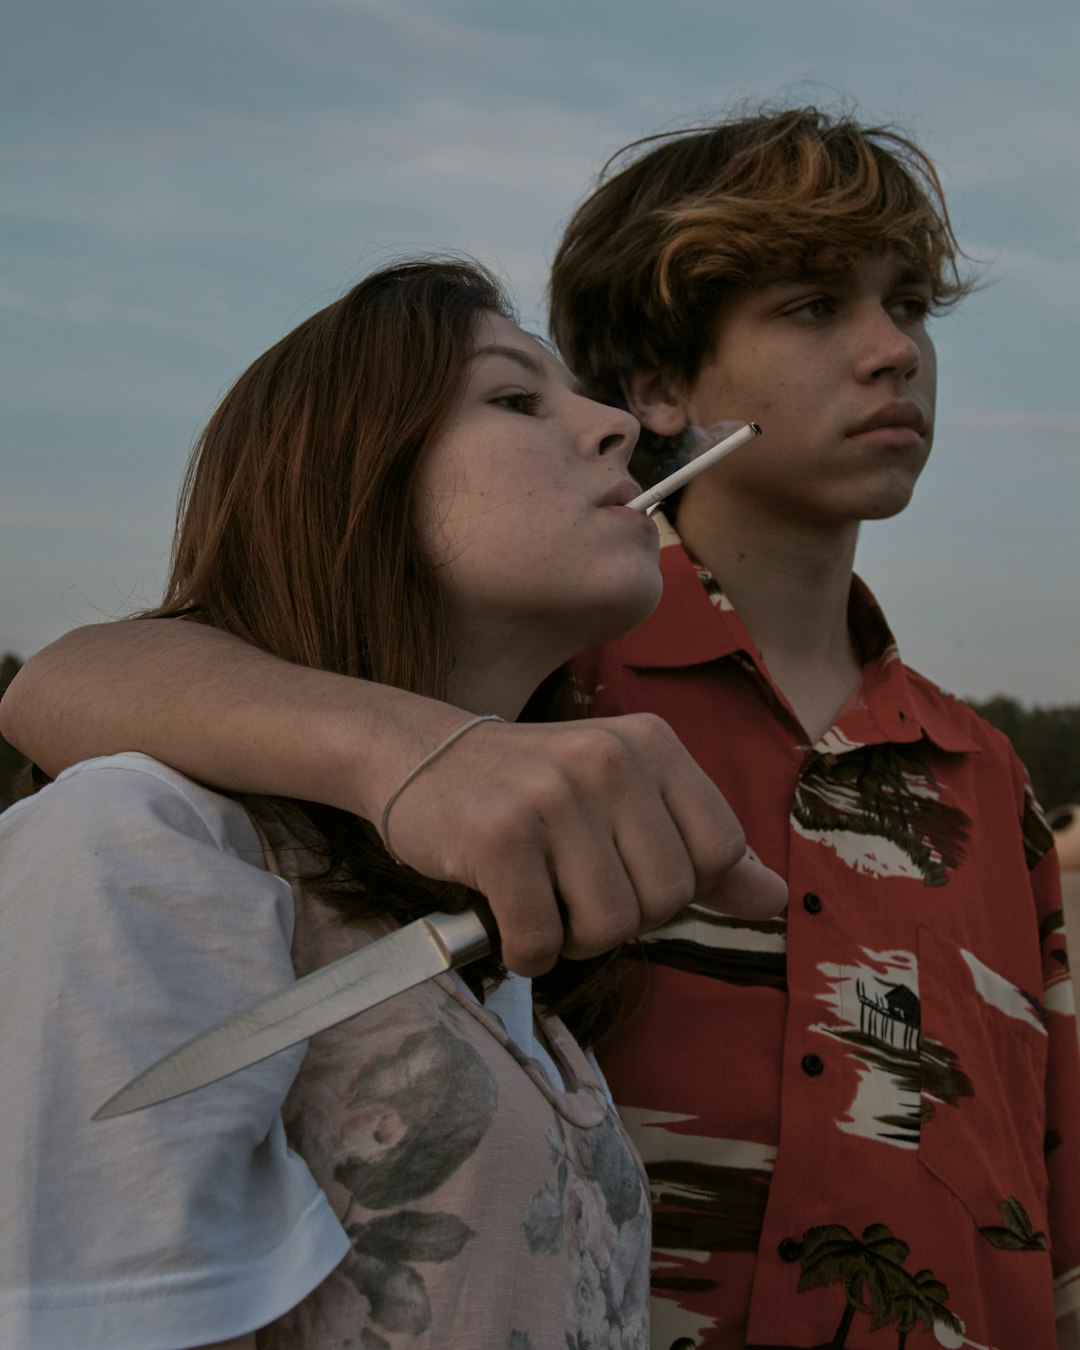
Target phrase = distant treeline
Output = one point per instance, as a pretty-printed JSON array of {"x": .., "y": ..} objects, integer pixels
[{"x": 1046, "y": 739}]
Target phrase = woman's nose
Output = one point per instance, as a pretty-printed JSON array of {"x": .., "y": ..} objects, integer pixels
[{"x": 619, "y": 431}]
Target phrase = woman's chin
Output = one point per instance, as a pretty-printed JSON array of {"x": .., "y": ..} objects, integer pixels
[{"x": 625, "y": 610}]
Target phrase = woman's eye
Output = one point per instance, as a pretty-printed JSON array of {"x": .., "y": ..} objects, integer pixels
[{"x": 520, "y": 401}]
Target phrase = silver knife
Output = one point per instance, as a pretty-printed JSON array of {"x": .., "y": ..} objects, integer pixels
[{"x": 427, "y": 947}]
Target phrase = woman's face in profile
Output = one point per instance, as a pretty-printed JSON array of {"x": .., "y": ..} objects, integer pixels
[{"x": 525, "y": 498}]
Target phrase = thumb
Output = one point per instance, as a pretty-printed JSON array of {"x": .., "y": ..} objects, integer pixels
[{"x": 749, "y": 890}]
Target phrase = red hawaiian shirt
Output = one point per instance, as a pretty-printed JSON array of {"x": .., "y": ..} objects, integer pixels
[{"x": 861, "y": 1121}]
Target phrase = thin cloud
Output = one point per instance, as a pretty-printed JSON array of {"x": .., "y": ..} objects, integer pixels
[
  {"x": 64, "y": 518},
  {"x": 1025, "y": 420},
  {"x": 86, "y": 310}
]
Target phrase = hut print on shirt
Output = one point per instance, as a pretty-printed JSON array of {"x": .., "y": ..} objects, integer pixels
[
  {"x": 876, "y": 1013},
  {"x": 905, "y": 1075}
]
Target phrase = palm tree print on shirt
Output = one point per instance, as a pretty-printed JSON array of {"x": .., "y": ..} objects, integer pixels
[
  {"x": 876, "y": 1283},
  {"x": 1015, "y": 1233}
]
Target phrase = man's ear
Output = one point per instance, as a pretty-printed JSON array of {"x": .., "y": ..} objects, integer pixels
[{"x": 656, "y": 403}]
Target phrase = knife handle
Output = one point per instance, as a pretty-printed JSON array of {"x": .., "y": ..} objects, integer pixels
[{"x": 466, "y": 936}]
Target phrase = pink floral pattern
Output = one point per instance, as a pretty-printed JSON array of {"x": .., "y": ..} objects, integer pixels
[{"x": 483, "y": 1204}]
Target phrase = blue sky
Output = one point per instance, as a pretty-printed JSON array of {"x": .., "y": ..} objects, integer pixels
[{"x": 181, "y": 183}]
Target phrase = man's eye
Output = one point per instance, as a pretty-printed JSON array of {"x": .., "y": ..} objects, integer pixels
[
  {"x": 912, "y": 308},
  {"x": 819, "y": 307},
  {"x": 520, "y": 401}
]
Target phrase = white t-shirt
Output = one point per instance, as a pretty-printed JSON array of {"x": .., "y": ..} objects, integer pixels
[
  {"x": 190, "y": 1222},
  {"x": 136, "y": 910}
]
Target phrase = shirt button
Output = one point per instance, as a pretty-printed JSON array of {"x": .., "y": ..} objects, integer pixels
[
  {"x": 790, "y": 1250},
  {"x": 813, "y": 1065},
  {"x": 812, "y": 903}
]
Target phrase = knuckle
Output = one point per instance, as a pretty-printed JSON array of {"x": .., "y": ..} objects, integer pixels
[
  {"x": 540, "y": 781},
  {"x": 499, "y": 827},
  {"x": 601, "y": 756},
  {"x": 548, "y": 789},
  {"x": 606, "y": 931},
  {"x": 653, "y": 729},
  {"x": 681, "y": 891},
  {"x": 508, "y": 826},
  {"x": 668, "y": 900},
  {"x": 727, "y": 848},
  {"x": 642, "y": 745},
  {"x": 532, "y": 953}
]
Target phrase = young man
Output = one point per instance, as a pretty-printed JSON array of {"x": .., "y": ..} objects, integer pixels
[
  {"x": 862, "y": 1118},
  {"x": 867, "y": 1114}
]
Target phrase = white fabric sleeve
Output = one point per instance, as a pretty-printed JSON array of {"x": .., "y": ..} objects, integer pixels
[{"x": 135, "y": 912}]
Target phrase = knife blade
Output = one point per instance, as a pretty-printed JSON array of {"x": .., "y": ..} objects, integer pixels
[{"x": 403, "y": 959}]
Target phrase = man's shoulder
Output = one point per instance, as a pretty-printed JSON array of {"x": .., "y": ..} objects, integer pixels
[{"x": 944, "y": 708}]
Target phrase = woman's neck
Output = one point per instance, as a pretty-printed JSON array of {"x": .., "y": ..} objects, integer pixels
[{"x": 497, "y": 673}]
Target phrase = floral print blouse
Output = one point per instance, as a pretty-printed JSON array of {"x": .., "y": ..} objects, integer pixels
[{"x": 487, "y": 1207}]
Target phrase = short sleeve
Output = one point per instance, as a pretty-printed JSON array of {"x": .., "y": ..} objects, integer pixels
[{"x": 135, "y": 912}]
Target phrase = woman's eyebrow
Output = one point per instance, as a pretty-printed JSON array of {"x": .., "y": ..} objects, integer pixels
[{"x": 531, "y": 363}]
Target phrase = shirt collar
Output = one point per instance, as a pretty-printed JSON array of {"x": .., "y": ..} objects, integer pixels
[{"x": 696, "y": 623}]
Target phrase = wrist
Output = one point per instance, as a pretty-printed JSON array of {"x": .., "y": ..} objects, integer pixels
[
  {"x": 429, "y": 758},
  {"x": 371, "y": 745}
]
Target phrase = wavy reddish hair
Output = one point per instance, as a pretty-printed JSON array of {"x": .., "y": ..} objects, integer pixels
[{"x": 680, "y": 223}]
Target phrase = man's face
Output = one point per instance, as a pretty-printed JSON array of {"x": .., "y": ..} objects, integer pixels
[{"x": 840, "y": 371}]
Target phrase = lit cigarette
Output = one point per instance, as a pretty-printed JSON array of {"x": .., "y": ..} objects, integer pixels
[{"x": 656, "y": 494}]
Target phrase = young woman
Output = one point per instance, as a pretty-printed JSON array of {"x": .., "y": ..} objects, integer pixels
[{"x": 406, "y": 489}]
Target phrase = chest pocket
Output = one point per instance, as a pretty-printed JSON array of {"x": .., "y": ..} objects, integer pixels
[{"x": 983, "y": 1065}]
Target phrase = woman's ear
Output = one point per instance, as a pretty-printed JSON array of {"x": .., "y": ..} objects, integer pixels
[{"x": 656, "y": 403}]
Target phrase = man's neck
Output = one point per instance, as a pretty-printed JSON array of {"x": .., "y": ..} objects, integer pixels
[{"x": 790, "y": 583}]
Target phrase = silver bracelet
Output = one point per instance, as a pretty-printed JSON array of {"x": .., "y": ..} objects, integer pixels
[{"x": 443, "y": 745}]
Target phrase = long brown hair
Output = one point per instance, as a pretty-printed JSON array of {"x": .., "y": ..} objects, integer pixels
[
  {"x": 297, "y": 531},
  {"x": 297, "y": 524}
]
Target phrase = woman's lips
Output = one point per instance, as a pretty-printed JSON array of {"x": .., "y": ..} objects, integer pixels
[{"x": 624, "y": 491}]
